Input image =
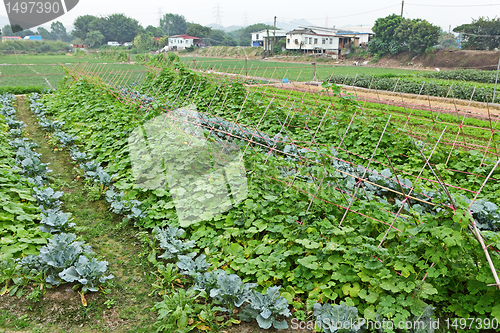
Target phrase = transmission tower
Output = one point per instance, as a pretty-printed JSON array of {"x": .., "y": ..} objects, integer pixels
[
  {"x": 160, "y": 14},
  {"x": 218, "y": 19}
]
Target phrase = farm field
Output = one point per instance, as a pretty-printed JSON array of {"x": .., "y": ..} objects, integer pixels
[
  {"x": 280, "y": 70},
  {"x": 46, "y": 70},
  {"x": 331, "y": 206}
]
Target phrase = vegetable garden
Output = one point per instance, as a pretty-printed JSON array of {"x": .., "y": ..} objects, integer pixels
[{"x": 337, "y": 210}]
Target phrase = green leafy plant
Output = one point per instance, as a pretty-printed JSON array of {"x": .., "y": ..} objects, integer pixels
[
  {"x": 170, "y": 242},
  {"x": 88, "y": 273},
  {"x": 174, "y": 312},
  {"x": 266, "y": 308},
  {"x": 337, "y": 318},
  {"x": 54, "y": 221},
  {"x": 190, "y": 266},
  {"x": 47, "y": 197},
  {"x": 230, "y": 291}
]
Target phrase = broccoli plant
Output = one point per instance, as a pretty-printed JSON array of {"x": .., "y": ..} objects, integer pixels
[
  {"x": 169, "y": 241},
  {"x": 23, "y": 142},
  {"x": 335, "y": 318},
  {"x": 55, "y": 221},
  {"x": 33, "y": 167},
  {"x": 50, "y": 125},
  {"x": 78, "y": 156},
  {"x": 65, "y": 139},
  {"x": 190, "y": 266},
  {"x": 129, "y": 208},
  {"x": 88, "y": 273},
  {"x": 100, "y": 176},
  {"x": 61, "y": 252},
  {"x": 206, "y": 281},
  {"x": 89, "y": 166},
  {"x": 231, "y": 291},
  {"x": 265, "y": 308},
  {"x": 16, "y": 133},
  {"x": 48, "y": 198}
]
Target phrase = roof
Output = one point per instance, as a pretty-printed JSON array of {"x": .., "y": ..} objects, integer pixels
[{"x": 184, "y": 37}]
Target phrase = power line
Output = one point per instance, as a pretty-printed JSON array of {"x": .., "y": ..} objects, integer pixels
[
  {"x": 371, "y": 11},
  {"x": 465, "y": 33}
]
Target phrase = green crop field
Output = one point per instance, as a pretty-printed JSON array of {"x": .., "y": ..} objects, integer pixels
[
  {"x": 279, "y": 70},
  {"x": 36, "y": 70},
  {"x": 208, "y": 203}
]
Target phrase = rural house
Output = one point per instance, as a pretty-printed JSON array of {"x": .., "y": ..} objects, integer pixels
[
  {"x": 180, "y": 42},
  {"x": 320, "y": 40},
  {"x": 264, "y": 38}
]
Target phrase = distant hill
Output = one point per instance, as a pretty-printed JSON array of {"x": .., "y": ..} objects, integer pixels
[{"x": 225, "y": 29}]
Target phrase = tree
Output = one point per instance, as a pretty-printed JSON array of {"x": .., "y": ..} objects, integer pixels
[
  {"x": 173, "y": 24},
  {"x": 423, "y": 36},
  {"x": 120, "y": 28},
  {"x": 481, "y": 34},
  {"x": 94, "y": 38},
  {"x": 385, "y": 31},
  {"x": 156, "y": 32},
  {"x": 217, "y": 37},
  {"x": 58, "y": 31},
  {"x": 448, "y": 41},
  {"x": 197, "y": 30},
  {"x": 7, "y": 30},
  {"x": 394, "y": 35},
  {"x": 144, "y": 41},
  {"x": 82, "y": 26},
  {"x": 41, "y": 31},
  {"x": 244, "y": 35}
]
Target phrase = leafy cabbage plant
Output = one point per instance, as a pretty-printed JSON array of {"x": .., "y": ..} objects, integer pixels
[
  {"x": 50, "y": 125},
  {"x": 168, "y": 238},
  {"x": 230, "y": 291},
  {"x": 55, "y": 221},
  {"x": 64, "y": 138},
  {"x": 337, "y": 318},
  {"x": 61, "y": 252},
  {"x": 89, "y": 273},
  {"x": 48, "y": 198},
  {"x": 190, "y": 266},
  {"x": 266, "y": 308}
]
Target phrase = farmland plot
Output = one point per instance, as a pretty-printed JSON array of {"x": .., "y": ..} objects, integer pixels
[{"x": 339, "y": 206}]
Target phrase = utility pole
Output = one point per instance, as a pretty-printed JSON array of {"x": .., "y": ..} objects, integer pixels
[
  {"x": 314, "y": 63},
  {"x": 402, "y": 7},
  {"x": 274, "y": 35}
]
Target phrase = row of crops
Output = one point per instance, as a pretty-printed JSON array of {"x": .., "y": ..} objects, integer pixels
[
  {"x": 474, "y": 85},
  {"x": 415, "y": 120},
  {"x": 345, "y": 215}
]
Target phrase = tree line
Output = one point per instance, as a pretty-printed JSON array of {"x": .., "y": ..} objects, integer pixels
[{"x": 393, "y": 34}]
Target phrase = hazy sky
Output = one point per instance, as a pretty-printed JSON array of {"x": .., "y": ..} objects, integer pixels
[{"x": 340, "y": 13}]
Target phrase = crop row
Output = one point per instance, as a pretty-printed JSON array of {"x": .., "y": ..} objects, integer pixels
[{"x": 433, "y": 87}]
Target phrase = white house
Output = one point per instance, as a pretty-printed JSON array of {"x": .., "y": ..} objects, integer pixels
[
  {"x": 365, "y": 34},
  {"x": 260, "y": 38},
  {"x": 180, "y": 42},
  {"x": 320, "y": 40}
]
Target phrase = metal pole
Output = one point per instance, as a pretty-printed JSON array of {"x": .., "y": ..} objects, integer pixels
[
  {"x": 402, "y": 6},
  {"x": 314, "y": 79},
  {"x": 274, "y": 35},
  {"x": 496, "y": 81}
]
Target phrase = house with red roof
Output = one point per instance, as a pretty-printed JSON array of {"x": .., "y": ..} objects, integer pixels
[{"x": 180, "y": 42}]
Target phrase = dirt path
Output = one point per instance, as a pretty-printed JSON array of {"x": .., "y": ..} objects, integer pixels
[
  {"x": 448, "y": 105},
  {"x": 125, "y": 306}
]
